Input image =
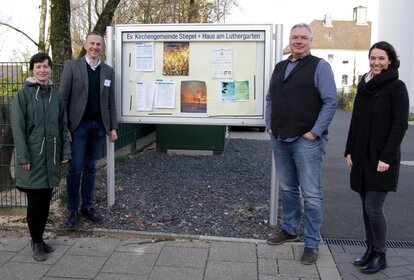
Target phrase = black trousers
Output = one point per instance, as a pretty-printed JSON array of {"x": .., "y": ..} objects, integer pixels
[
  {"x": 374, "y": 219},
  {"x": 38, "y": 204}
]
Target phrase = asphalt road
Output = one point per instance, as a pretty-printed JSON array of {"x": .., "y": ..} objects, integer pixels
[{"x": 343, "y": 216}]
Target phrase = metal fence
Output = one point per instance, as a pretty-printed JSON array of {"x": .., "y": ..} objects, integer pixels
[{"x": 12, "y": 77}]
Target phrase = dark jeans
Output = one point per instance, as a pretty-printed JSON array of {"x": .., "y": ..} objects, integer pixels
[
  {"x": 38, "y": 203},
  {"x": 374, "y": 219},
  {"x": 86, "y": 144}
]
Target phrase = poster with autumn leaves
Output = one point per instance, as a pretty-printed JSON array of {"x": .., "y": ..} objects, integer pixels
[{"x": 176, "y": 59}]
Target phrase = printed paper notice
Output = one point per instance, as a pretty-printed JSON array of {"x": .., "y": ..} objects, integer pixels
[
  {"x": 222, "y": 63},
  {"x": 233, "y": 91},
  {"x": 242, "y": 90},
  {"x": 145, "y": 96},
  {"x": 165, "y": 94},
  {"x": 144, "y": 59}
]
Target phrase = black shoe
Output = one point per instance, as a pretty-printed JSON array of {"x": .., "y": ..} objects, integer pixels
[
  {"x": 365, "y": 258},
  {"x": 47, "y": 248},
  {"x": 377, "y": 262},
  {"x": 281, "y": 237},
  {"x": 310, "y": 255},
  {"x": 73, "y": 221},
  {"x": 39, "y": 253},
  {"x": 92, "y": 215}
]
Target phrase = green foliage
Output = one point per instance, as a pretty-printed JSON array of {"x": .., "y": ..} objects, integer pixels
[
  {"x": 7, "y": 87},
  {"x": 120, "y": 159},
  {"x": 347, "y": 99}
]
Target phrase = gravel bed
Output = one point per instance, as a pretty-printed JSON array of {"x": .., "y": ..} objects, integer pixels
[{"x": 225, "y": 195}]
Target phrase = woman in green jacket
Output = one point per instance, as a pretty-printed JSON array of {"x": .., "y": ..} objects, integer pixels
[{"x": 42, "y": 145}]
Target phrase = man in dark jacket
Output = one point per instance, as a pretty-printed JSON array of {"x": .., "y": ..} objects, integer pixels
[
  {"x": 301, "y": 103},
  {"x": 88, "y": 89}
]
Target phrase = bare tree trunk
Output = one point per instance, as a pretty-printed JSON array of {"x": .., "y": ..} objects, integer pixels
[
  {"x": 105, "y": 19},
  {"x": 47, "y": 42},
  {"x": 42, "y": 26},
  {"x": 193, "y": 11},
  {"x": 60, "y": 39},
  {"x": 89, "y": 16}
]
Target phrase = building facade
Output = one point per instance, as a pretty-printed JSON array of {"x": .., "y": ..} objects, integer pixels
[
  {"x": 344, "y": 44},
  {"x": 394, "y": 26}
]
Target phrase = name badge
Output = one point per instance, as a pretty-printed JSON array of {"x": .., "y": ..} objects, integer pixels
[{"x": 107, "y": 83}]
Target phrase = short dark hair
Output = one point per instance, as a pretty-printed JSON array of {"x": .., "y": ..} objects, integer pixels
[
  {"x": 94, "y": 33},
  {"x": 40, "y": 57},
  {"x": 391, "y": 52}
]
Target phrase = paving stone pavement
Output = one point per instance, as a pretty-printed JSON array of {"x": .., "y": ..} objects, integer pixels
[
  {"x": 154, "y": 256},
  {"x": 400, "y": 263},
  {"x": 161, "y": 258}
]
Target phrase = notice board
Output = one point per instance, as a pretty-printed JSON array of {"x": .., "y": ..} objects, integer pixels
[{"x": 207, "y": 74}]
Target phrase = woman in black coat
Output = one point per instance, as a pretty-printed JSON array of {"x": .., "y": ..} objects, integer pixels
[{"x": 378, "y": 124}]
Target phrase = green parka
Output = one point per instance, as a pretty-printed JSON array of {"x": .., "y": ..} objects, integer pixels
[{"x": 40, "y": 135}]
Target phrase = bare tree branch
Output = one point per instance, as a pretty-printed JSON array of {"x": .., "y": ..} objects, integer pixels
[{"x": 19, "y": 31}]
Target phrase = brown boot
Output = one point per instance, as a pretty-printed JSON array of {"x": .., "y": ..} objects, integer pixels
[
  {"x": 281, "y": 237},
  {"x": 310, "y": 255}
]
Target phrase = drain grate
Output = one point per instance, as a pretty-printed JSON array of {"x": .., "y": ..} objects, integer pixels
[{"x": 357, "y": 242}]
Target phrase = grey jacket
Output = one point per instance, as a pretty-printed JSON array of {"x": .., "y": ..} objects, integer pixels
[{"x": 74, "y": 90}]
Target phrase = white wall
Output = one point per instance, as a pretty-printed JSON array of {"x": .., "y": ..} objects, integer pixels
[
  {"x": 395, "y": 21},
  {"x": 356, "y": 59}
]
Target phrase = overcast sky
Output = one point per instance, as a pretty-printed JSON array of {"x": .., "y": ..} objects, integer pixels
[
  {"x": 24, "y": 14},
  {"x": 286, "y": 13}
]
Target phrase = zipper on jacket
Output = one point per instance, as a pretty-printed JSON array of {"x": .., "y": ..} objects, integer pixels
[
  {"x": 54, "y": 151},
  {"x": 41, "y": 148}
]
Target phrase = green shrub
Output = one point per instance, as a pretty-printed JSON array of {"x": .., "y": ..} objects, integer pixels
[
  {"x": 346, "y": 100},
  {"x": 120, "y": 159}
]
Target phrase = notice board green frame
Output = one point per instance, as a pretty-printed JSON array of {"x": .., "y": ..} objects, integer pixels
[{"x": 205, "y": 74}]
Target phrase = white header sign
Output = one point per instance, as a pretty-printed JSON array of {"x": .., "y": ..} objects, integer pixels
[{"x": 256, "y": 36}]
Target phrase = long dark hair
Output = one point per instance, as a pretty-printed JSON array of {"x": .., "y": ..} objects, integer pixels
[{"x": 389, "y": 49}]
